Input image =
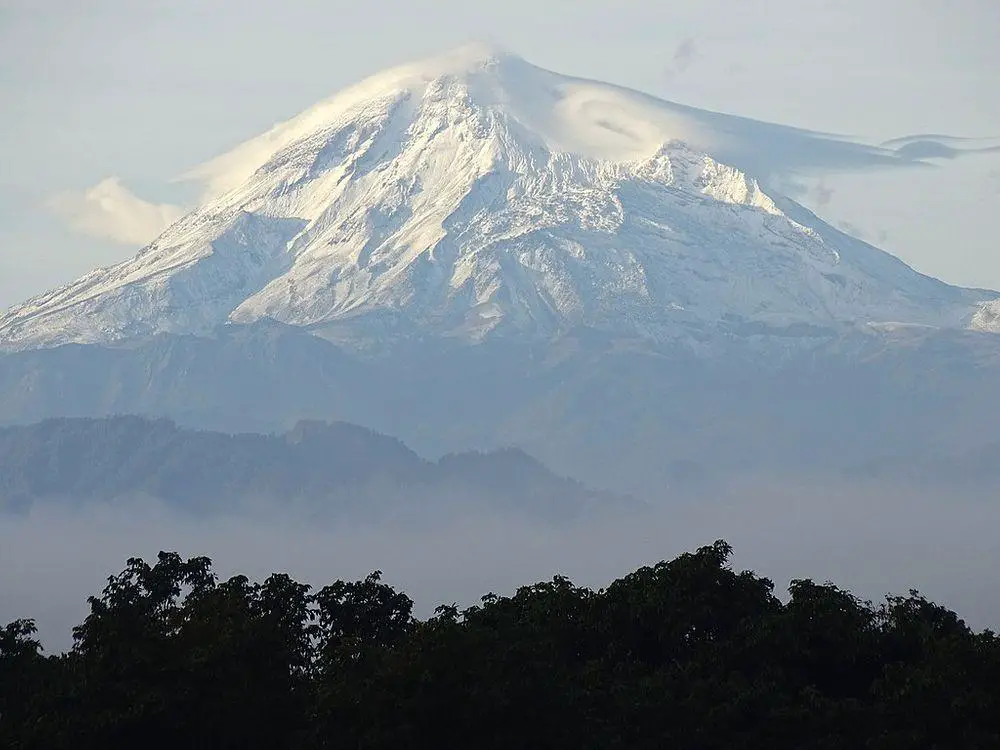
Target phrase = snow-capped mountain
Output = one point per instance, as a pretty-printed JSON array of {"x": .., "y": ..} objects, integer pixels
[{"x": 475, "y": 194}]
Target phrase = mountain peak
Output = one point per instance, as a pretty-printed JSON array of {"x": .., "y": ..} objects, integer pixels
[
  {"x": 477, "y": 54},
  {"x": 465, "y": 62},
  {"x": 473, "y": 193}
]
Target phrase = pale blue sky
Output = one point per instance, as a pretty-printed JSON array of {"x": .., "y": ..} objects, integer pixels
[{"x": 145, "y": 90}]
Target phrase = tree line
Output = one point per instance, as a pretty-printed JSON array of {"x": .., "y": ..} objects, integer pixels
[{"x": 683, "y": 654}]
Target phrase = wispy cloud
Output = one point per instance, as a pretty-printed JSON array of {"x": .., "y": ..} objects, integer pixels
[
  {"x": 822, "y": 194},
  {"x": 109, "y": 210},
  {"x": 852, "y": 229},
  {"x": 684, "y": 55},
  {"x": 937, "y": 146},
  {"x": 994, "y": 177}
]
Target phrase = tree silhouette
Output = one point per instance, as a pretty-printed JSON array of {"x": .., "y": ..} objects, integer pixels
[{"x": 687, "y": 654}]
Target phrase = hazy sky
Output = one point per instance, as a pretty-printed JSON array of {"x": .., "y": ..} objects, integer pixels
[{"x": 107, "y": 100}]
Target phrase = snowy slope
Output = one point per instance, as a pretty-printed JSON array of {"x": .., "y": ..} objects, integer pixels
[
  {"x": 987, "y": 317},
  {"x": 474, "y": 194}
]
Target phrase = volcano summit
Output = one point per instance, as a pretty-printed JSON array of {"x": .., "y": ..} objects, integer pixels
[{"x": 475, "y": 194}]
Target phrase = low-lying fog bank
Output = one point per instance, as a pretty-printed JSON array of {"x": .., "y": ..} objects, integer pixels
[{"x": 868, "y": 538}]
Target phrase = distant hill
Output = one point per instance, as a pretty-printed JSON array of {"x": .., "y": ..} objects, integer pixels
[{"x": 333, "y": 470}]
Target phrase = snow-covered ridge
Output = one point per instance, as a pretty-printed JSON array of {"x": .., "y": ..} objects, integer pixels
[
  {"x": 476, "y": 193},
  {"x": 987, "y": 317}
]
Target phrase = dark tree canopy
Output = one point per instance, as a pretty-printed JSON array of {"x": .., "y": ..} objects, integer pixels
[{"x": 684, "y": 654}]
